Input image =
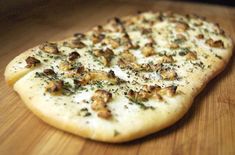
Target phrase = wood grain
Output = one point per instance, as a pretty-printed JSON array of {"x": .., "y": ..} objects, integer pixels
[{"x": 208, "y": 128}]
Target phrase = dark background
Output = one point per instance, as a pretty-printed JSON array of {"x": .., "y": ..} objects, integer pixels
[
  {"x": 12, "y": 9},
  {"x": 218, "y": 2},
  {"x": 11, "y": 6}
]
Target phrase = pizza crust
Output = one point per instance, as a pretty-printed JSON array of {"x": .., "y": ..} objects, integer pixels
[{"x": 134, "y": 125}]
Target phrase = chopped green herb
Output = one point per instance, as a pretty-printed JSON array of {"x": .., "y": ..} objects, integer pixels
[
  {"x": 87, "y": 114},
  {"x": 181, "y": 53},
  {"x": 217, "y": 56},
  {"x": 141, "y": 105},
  {"x": 84, "y": 109},
  {"x": 199, "y": 64},
  {"x": 99, "y": 84},
  {"x": 178, "y": 41}
]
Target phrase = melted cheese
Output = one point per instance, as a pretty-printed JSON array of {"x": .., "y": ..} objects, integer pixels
[{"x": 163, "y": 33}]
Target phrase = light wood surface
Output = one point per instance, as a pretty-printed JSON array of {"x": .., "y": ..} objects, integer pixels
[{"x": 208, "y": 127}]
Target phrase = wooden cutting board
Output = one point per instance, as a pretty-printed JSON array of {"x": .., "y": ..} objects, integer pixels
[{"x": 208, "y": 127}]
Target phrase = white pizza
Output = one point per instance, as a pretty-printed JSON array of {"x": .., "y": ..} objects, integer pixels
[{"x": 124, "y": 80}]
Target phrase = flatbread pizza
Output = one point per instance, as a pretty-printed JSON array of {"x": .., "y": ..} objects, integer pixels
[{"x": 123, "y": 80}]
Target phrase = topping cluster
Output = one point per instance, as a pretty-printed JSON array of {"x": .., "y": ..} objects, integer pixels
[{"x": 144, "y": 47}]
